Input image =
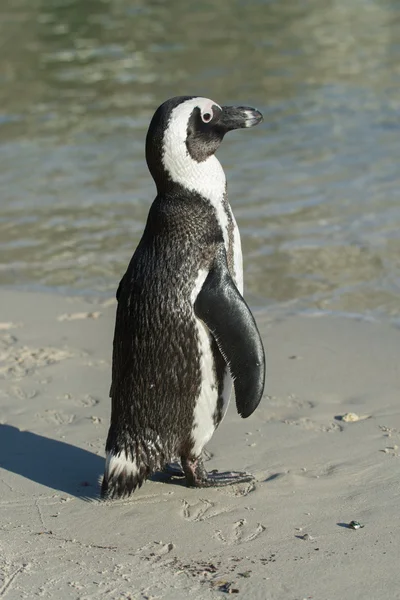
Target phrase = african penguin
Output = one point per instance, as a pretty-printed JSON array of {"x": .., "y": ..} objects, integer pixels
[{"x": 183, "y": 331}]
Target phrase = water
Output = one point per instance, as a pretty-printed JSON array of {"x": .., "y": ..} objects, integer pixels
[{"x": 315, "y": 189}]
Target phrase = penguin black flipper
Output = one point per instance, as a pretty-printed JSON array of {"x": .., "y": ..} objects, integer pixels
[{"x": 222, "y": 308}]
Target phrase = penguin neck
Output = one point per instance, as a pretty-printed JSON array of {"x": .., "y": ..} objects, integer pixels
[{"x": 206, "y": 178}]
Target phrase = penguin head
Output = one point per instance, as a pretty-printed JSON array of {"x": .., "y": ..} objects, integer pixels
[{"x": 185, "y": 131}]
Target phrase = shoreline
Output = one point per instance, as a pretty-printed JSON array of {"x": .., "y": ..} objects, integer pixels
[{"x": 314, "y": 472}]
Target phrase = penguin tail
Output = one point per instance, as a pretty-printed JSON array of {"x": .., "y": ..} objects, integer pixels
[{"x": 122, "y": 475}]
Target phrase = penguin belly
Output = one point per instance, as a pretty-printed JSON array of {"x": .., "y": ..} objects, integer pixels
[{"x": 215, "y": 391}]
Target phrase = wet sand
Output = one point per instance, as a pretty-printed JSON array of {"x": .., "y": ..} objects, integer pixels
[{"x": 283, "y": 538}]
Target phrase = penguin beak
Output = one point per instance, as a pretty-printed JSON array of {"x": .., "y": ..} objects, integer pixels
[{"x": 238, "y": 117}]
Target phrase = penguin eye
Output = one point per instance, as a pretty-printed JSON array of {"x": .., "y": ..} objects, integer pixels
[{"x": 206, "y": 117}]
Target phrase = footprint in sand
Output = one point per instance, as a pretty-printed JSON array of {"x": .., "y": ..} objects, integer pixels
[
  {"x": 56, "y": 417},
  {"x": 5, "y": 326},
  {"x": 86, "y": 401},
  {"x": 155, "y": 551},
  {"x": 21, "y": 362},
  {"x": 310, "y": 425},
  {"x": 6, "y": 341},
  {"x": 239, "y": 533},
  {"x": 79, "y": 316},
  {"x": 23, "y": 394},
  {"x": 202, "y": 510}
]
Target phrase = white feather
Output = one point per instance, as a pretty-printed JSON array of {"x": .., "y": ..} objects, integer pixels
[{"x": 117, "y": 463}]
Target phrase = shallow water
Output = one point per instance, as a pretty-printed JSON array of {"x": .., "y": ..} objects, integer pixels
[{"x": 315, "y": 189}]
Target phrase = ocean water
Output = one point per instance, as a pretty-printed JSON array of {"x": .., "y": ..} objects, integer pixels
[{"x": 315, "y": 189}]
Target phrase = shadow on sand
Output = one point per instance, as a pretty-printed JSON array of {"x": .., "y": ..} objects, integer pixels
[{"x": 52, "y": 463}]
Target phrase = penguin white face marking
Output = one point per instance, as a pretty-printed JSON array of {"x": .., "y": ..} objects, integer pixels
[
  {"x": 206, "y": 111},
  {"x": 188, "y": 127},
  {"x": 206, "y": 117},
  {"x": 205, "y": 177},
  {"x": 193, "y": 132},
  {"x": 183, "y": 136}
]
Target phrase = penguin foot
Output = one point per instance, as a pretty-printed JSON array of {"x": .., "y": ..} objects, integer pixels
[
  {"x": 173, "y": 470},
  {"x": 197, "y": 476}
]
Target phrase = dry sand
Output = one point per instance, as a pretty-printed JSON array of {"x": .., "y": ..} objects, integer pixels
[{"x": 314, "y": 472}]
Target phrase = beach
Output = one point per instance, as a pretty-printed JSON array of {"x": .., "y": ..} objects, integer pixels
[{"x": 283, "y": 537}]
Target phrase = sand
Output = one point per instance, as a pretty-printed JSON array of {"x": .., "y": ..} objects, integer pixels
[{"x": 314, "y": 471}]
